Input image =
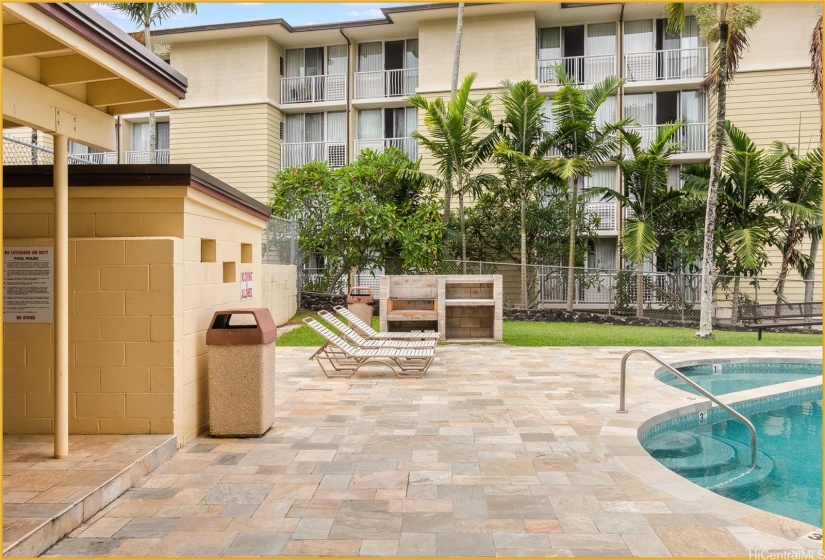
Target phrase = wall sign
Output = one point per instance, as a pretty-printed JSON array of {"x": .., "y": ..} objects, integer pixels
[
  {"x": 246, "y": 285},
  {"x": 28, "y": 285}
]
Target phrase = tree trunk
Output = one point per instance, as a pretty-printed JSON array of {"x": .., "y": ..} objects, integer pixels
[
  {"x": 809, "y": 278},
  {"x": 448, "y": 195},
  {"x": 153, "y": 139},
  {"x": 706, "y": 303},
  {"x": 463, "y": 236},
  {"x": 34, "y": 143},
  {"x": 459, "y": 28},
  {"x": 147, "y": 40},
  {"x": 734, "y": 310},
  {"x": 571, "y": 262},
  {"x": 793, "y": 237},
  {"x": 640, "y": 289},
  {"x": 523, "y": 251}
]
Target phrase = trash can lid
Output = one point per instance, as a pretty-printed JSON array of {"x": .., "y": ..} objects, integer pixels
[{"x": 231, "y": 327}]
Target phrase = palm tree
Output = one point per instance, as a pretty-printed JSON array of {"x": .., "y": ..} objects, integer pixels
[
  {"x": 800, "y": 193},
  {"x": 459, "y": 28},
  {"x": 747, "y": 222},
  {"x": 580, "y": 143},
  {"x": 725, "y": 24},
  {"x": 461, "y": 139},
  {"x": 816, "y": 85},
  {"x": 521, "y": 149},
  {"x": 151, "y": 14},
  {"x": 648, "y": 197}
]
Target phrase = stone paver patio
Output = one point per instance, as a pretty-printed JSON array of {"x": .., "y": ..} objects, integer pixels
[{"x": 498, "y": 451}]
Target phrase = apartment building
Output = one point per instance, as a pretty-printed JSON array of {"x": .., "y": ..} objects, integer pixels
[{"x": 265, "y": 95}]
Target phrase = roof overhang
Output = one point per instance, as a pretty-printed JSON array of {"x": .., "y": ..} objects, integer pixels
[{"x": 68, "y": 70}]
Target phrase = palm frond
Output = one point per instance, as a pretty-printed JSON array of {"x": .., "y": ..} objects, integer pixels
[
  {"x": 816, "y": 60},
  {"x": 638, "y": 240}
]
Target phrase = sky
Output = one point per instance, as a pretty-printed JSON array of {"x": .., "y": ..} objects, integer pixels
[{"x": 293, "y": 13}]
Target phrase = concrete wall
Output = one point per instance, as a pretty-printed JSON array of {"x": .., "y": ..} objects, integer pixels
[
  {"x": 148, "y": 268},
  {"x": 279, "y": 291}
]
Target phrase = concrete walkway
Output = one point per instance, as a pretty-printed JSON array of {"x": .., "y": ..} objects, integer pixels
[{"x": 499, "y": 451}]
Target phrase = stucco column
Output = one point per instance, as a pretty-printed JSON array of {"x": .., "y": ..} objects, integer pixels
[{"x": 61, "y": 296}]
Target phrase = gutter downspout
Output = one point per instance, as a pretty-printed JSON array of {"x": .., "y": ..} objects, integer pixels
[
  {"x": 620, "y": 115},
  {"x": 350, "y": 77}
]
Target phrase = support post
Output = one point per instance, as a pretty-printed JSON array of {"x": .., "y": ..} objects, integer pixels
[{"x": 61, "y": 296}]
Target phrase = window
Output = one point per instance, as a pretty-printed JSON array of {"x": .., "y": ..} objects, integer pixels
[{"x": 140, "y": 136}]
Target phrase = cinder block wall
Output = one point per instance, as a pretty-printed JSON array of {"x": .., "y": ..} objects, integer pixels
[
  {"x": 148, "y": 267},
  {"x": 279, "y": 289}
]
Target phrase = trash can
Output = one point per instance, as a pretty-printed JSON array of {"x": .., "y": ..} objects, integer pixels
[
  {"x": 241, "y": 345},
  {"x": 359, "y": 301}
]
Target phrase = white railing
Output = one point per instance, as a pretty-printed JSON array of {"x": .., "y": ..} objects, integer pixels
[
  {"x": 99, "y": 158},
  {"x": 693, "y": 137},
  {"x": 606, "y": 211},
  {"x": 295, "y": 154},
  {"x": 308, "y": 89},
  {"x": 144, "y": 156},
  {"x": 676, "y": 64},
  {"x": 584, "y": 69},
  {"x": 407, "y": 145},
  {"x": 386, "y": 83}
]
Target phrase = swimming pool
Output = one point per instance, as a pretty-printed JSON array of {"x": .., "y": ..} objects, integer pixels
[
  {"x": 730, "y": 377},
  {"x": 714, "y": 451}
]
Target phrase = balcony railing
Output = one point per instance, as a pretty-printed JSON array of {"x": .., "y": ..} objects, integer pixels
[
  {"x": 693, "y": 137},
  {"x": 606, "y": 211},
  {"x": 585, "y": 69},
  {"x": 20, "y": 152},
  {"x": 386, "y": 83},
  {"x": 295, "y": 154},
  {"x": 676, "y": 64},
  {"x": 309, "y": 89},
  {"x": 407, "y": 145}
]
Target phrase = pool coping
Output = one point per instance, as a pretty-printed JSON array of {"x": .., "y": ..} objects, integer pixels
[{"x": 622, "y": 432}]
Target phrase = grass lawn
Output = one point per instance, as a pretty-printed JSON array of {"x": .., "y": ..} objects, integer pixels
[{"x": 518, "y": 333}]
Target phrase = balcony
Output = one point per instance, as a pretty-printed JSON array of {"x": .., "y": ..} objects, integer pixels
[
  {"x": 693, "y": 137},
  {"x": 585, "y": 69},
  {"x": 312, "y": 89},
  {"x": 386, "y": 83},
  {"x": 294, "y": 155},
  {"x": 606, "y": 211},
  {"x": 676, "y": 64},
  {"x": 407, "y": 145}
]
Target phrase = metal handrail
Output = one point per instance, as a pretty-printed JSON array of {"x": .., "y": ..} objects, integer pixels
[{"x": 684, "y": 378}]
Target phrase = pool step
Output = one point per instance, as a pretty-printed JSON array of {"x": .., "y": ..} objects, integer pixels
[
  {"x": 673, "y": 444},
  {"x": 713, "y": 462},
  {"x": 691, "y": 454},
  {"x": 743, "y": 478}
]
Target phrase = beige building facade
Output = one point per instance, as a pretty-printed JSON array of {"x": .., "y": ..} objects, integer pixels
[{"x": 325, "y": 92}]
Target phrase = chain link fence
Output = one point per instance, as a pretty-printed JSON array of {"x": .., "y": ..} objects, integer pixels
[{"x": 20, "y": 152}]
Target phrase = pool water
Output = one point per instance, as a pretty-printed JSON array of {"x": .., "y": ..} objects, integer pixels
[
  {"x": 733, "y": 377},
  {"x": 792, "y": 438}
]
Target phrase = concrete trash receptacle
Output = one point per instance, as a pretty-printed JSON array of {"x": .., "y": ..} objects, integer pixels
[
  {"x": 241, "y": 372},
  {"x": 358, "y": 301}
]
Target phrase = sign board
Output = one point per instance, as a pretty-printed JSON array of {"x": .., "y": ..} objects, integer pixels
[
  {"x": 246, "y": 285},
  {"x": 28, "y": 285}
]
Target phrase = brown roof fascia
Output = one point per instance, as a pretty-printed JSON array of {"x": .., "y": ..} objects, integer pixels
[
  {"x": 137, "y": 175},
  {"x": 315, "y": 27},
  {"x": 94, "y": 27}
]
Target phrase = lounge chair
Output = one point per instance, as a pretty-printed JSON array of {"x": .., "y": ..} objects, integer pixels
[
  {"x": 362, "y": 342},
  {"x": 343, "y": 359},
  {"x": 375, "y": 335}
]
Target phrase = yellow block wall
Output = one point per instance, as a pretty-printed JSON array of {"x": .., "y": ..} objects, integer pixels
[
  {"x": 237, "y": 144},
  {"x": 121, "y": 335},
  {"x": 204, "y": 291},
  {"x": 139, "y": 307}
]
